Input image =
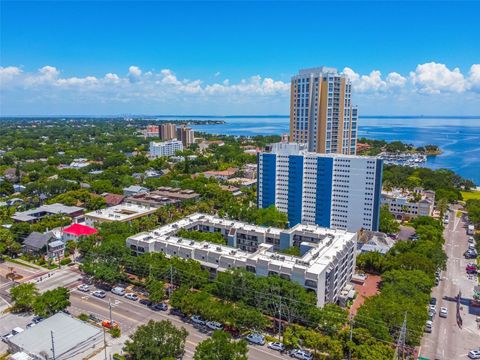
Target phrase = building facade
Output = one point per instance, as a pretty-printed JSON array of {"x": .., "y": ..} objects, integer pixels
[
  {"x": 152, "y": 131},
  {"x": 326, "y": 264},
  {"x": 167, "y": 131},
  {"x": 321, "y": 113},
  {"x": 186, "y": 135},
  {"x": 330, "y": 190},
  {"x": 405, "y": 205},
  {"x": 166, "y": 148}
]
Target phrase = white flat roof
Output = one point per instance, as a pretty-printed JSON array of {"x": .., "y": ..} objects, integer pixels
[
  {"x": 122, "y": 212},
  {"x": 68, "y": 333},
  {"x": 329, "y": 242}
]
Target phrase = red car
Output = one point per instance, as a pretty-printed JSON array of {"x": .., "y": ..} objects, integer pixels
[{"x": 109, "y": 325}]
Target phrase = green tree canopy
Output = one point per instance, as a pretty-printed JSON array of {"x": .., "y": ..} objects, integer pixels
[
  {"x": 23, "y": 297},
  {"x": 156, "y": 340},
  {"x": 221, "y": 347}
]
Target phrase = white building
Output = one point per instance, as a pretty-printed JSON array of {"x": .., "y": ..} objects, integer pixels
[
  {"x": 326, "y": 265},
  {"x": 406, "y": 205},
  {"x": 122, "y": 213},
  {"x": 331, "y": 190},
  {"x": 166, "y": 148}
]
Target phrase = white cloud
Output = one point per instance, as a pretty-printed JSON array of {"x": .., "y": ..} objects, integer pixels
[
  {"x": 474, "y": 77},
  {"x": 394, "y": 79},
  {"x": 9, "y": 72},
  {"x": 134, "y": 73},
  {"x": 434, "y": 78},
  {"x": 165, "y": 88}
]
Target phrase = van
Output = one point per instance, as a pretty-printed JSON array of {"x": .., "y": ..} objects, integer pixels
[{"x": 118, "y": 291}]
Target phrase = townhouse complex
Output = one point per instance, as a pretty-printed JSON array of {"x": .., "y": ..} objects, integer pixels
[{"x": 326, "y": 264}]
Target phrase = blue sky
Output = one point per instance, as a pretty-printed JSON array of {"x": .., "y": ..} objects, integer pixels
[{"x": 235, "y": 57}]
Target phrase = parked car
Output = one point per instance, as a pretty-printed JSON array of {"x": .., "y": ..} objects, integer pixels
[
  {"x": 158, "y": 307},
  {"x": 433, "y": 308},
  {"x": 256, "y": 338},
  {"x": 37, "y": 319},
  {"x": 474, "y": 354},
  {"x": 196, "y": 319},
  {"x": 131, "y": 296},
  {"x": 471, "y": 239},
  {"x": 109, "y": 324},
  {"x": 276, "y": 346},
  {"x": 176, "y": 312},
  {"x": 301, "y": 354},
  {"x": 83, "y": 287},
  {"x": 443, "y": 312},
  {"x": 433, "y": 301},
  {"x": 214, "y": 325},
  {"x": 118, "y": 291},
  {"x": 428, "y": 326},
  {"x": 146, "y": 302},
  {"x": 32, "y": 324},
  {"x": 99, "y": 293}
]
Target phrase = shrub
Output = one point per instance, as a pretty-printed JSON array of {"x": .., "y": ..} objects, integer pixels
[
  {"x": 65, "y": 261},
  {"x": 115, "y": 332}
]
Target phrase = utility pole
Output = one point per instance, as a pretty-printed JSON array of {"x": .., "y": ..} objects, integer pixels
[
  {"x": 171, "y": 282},
  {"x": 53, "y": 345},
  {"x": 110, "y": 309},
  {"x": 105, "y": 342},
  {"x": 279, "y": 318},
  {"x": 351, "y": 337},
  {"x": 400, "y": 348}
]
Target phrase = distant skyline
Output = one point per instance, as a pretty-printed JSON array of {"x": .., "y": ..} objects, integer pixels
[{"x": 207, "y": 58}]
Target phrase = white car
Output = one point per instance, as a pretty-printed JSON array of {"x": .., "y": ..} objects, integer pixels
[
  {"x": 118, "y": 291},
  {"x": 302, "y": 355},
  {"x": 443, "y": 312},
  {"x": 131, "y": 296},
  {"x": 276, "y": 346},
  {"x": 470, "y": 239},
  {"x": 214, "y": 325},
  {"x": 256, "y": 338},
  {"x": 474, "y": 354},
  {"x": 433, "y": 308},
  {"x": 99, "y": 293},
  {"x": 196, "y": 319},
  {"x": 83, "y": 287}
]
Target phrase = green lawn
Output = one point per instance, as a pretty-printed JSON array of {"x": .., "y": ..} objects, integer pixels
[{"x": 467, "y": 195}]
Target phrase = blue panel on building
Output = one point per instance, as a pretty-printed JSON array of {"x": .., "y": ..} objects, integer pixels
[
  {"x": 269, "y": 172},
  {"x": 295, "y": 189},
  {"x": 324, "y": 191},
  {"x": 286, "y": 240},
  {"x": 377, "y": 195}
]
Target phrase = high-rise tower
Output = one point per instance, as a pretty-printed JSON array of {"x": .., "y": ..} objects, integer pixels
[{"x": 321, "y": 113}]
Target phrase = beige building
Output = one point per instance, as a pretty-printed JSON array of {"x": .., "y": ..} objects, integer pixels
[
  {"x": 186, "y": 135},
  {"x": 405, "y": 205},
  {"x": 167, "y": 131},
  {"x": 321, "y": 113}
]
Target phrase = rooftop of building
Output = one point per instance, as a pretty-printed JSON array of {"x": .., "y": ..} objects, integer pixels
[
  {"x": 299, "y": 149},
  {"x": 80, "y": 230},
  {"x": 121, "y": 212},
  {"x": 329, "y": 241},
  {"x": 69, "y": 334},
  {"x": 56, "y": 208}
]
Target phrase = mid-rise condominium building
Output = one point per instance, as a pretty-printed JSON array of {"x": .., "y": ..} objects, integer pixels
[
  {"x": 186, "y": 135},
  {"x": 326, "y": 264},
  {"x": 321, "y": 113},
  {"x": 330, "y": 190},
  {"x": 152, "y": 131},
  {"x": 166, "y": 148},
  {"x": 405, "y": 205},
  {"x": 167, "y": 131}
]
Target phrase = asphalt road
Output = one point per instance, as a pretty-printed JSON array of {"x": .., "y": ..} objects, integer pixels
[
  {"x": 448, "y": 341},
  {"x": 129, "y": 314}
]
